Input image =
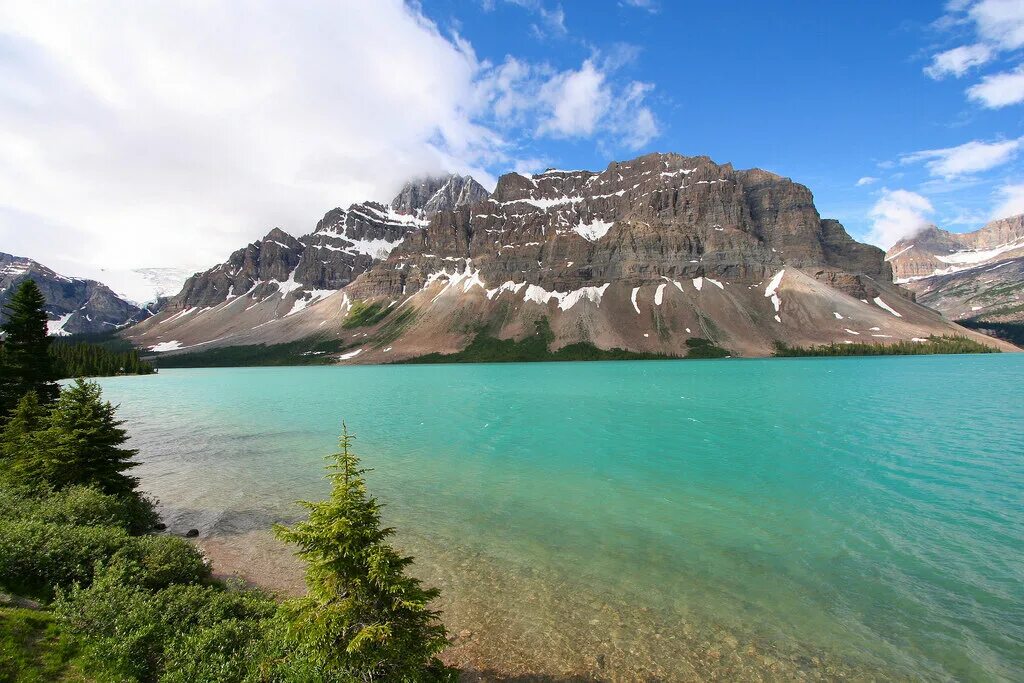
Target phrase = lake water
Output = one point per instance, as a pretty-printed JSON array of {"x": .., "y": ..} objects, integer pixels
[{"x": 682, "y": 520}]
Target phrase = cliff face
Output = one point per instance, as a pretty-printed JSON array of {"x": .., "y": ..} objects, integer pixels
[
  {"x": 934, "y": 251},
  {"x": 659, "y": 215},
  {"x": 975, "y": 277},
  {"x": 643, "y": 255},
  {"x": 73, "y": 305}
]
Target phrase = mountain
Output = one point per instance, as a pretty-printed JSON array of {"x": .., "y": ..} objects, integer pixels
[
  {"x": 643, "y": 256},
  {"x": 74, "y": 305},
  {"x": 976, "y": 278},
  {"x": 278, "y": 276},
  {"x": 426, "y": 197}
]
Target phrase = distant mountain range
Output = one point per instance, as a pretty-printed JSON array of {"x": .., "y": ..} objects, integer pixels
[
  {"x": 74, "y": 305},
  {"x": 643, "y": 256},
  {"x": 976, "y": 278}
]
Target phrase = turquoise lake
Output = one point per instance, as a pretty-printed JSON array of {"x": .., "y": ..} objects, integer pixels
[{"x": 751, "y": 519}]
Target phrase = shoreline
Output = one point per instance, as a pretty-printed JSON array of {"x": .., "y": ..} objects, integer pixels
[{"x": 502, "y": 630}]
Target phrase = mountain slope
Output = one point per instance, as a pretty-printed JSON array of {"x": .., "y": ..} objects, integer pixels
[
  {"x": 642, "y": 256},
  {"x": 278, "y": 276},
  {"x": 975, "y": 277},
  {"x": 74, "y": 305}
]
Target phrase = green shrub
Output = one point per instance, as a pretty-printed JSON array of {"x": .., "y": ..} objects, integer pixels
[
  {"x": 226, "y": 651},
  {"x": 78, "y": 506},
  {"x": 156, "y": 562},
  {"x": 191, "y": 632},
  {"x": 87, "y": 506},
  {"x": 363, "y": 314},
  {"x": 36, "y": 557}
]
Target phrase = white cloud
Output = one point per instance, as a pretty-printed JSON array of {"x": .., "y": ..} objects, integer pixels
[
  {"x": 970, "y": 157},
  {"x": 1000, "y": 21},
  {"x": 999, "y": 90},
  {"x": 574, "y": 103},
  {"x": 998, "y": 27},
  {"x": 866, "y": 180},
  {"x": 577, "y": 101},
  {"x": 1012, "y": 202},
  {"x": 552, "y": 18},
  {"x": 958, "y": 61},
  {"x": 648, "y": 5},
  {"x": 142, "y": 134},
  {"x": 898, "y": 214}
]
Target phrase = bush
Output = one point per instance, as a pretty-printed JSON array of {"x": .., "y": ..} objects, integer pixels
[
  {"x": 78, "y": 506},
  {"x": 56, "y": 541},
  {"x": 87, "y": 506},
  {"x": 225, "y": 651},
  {"x": 36, "y": 557},
  {"x": 156, "y": 562},
  {"x": 191, "y": 632}
]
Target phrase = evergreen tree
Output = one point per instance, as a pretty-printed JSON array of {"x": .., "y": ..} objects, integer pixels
[
  {"x": 18, "y": 444},
  {"x": 84, "y": 359},
  {"x": 363, "y": 618},
  {"x": 82, "y": 443},
  {"x": 26, "y": 359}
]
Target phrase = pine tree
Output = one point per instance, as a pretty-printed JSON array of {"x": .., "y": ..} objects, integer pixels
[
  {"x": 19, "y": 454},
  {"x": 83, "y": 443},
  {"x": 26, "y": 359},
  {"x": 363, "y": 618}
]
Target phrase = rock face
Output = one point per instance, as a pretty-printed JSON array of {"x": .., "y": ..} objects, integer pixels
[
  {"x": 643, "y": 256},
  {"x": 279, "y": 276},
  {"x": 659, "y": 215},
  {"x": 74, "y": 305},
  {"x": 975, "y": 277},
  {"x": 426, "y": 197},
  {"x": 934, "y": 251}
]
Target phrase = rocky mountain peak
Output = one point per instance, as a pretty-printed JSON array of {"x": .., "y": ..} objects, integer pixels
[
  {"x": 644, "y": 254},
  {"x": 73, "y": 305},
  {"x": 425, "y": 197},
  {"x": 934, "y": 251}
]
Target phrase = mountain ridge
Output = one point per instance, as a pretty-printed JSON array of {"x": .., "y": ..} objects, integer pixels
[
  {"x": 73, "y": 305},
  {"x": 976, "y": 277},
  {"x": 642, "y": 256}
]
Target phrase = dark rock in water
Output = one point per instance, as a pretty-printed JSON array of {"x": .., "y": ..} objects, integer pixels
[
  {"x": 160, "y": 526},
  {"x": 191, "y": 533}
]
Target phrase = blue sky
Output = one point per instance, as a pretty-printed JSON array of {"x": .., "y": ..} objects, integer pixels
[
  {"x": 148, "y": 134},
  {"x": 824, "y": 92}
]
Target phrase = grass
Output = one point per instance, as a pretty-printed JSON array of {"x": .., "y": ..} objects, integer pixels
[
  {"x": 934, "y": 345},
  {"x": 364, "y": 315},
  {"x": 395, "y": 326},
  {"x": 32, "y": 650},
  {"x": 309, "y": 351},
  {"x": 488, "y": 349}
]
